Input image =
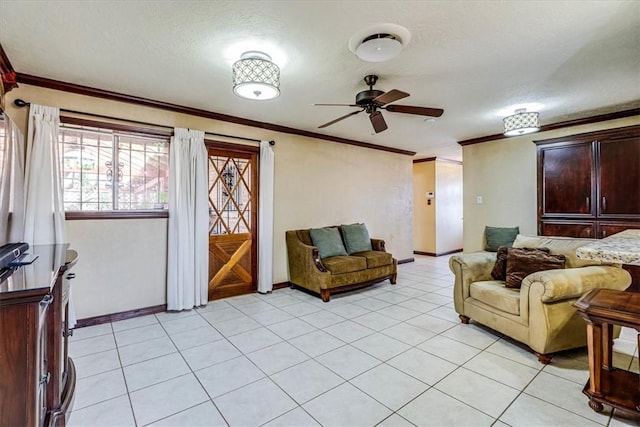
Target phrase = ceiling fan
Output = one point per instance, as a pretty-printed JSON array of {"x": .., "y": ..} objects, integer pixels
[{"x": 373, "y": 100}]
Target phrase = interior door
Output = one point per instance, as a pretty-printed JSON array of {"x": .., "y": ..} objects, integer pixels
[{"x": 233, "y": 202}]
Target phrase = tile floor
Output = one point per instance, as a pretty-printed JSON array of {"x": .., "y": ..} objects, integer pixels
[{"x": 382, "y": 356}]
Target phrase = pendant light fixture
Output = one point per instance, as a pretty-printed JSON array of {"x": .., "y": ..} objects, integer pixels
[
  {"x": 256, "y": 77},
  {"x": 521, "y": 123}
]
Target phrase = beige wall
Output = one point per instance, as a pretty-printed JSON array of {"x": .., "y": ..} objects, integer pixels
[
  {"x": 504, "y": 173},
  {"x": 123, "y": 262},
  {"x": 437, "y": 227}
]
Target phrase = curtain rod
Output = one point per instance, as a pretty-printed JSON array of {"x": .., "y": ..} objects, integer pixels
[{"x": 22, "y": 103}]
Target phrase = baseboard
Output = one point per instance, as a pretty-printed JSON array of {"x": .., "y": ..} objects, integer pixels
[
  {"x": 406, "y": 260},
  {"x": 437, "y": 254},
  {"x": 281, "y": 285},
  {"x": 106, "y": 318}
]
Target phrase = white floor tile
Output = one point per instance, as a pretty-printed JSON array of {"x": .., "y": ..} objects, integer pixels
[
  {"x": 395, "y": 420},
  {"x": 169, "y": 316},
  {"x": 381, "y": 346},
  {"x": 139, "y": 352},
  {"x": 202, "y": 415},
  {"x": 143, "y": 333},
  {"x": 473, "y": 335},
  {"x": 277, "y": 357},
  {"x": 418, "y": 305},
  {"x": 167, "y": 398},
  {"x": 503, "y": 370},
  {"x": 423, "y": 366},
  {"x": 291, "y": 328},
  {"x": 431, "y": 323},
  {"x": 92, "y": 345},
  {"x": 113, "y": 412},
  {"x": 528, "y": 411},
  {"x": 301, "y": 309},
  {"x": 348, "y": 361},
  {"x": 135, "y": 322},
  {"x": 345, "y": 405},
  {"x": 269, "y": 317},
  {"x": 389, "y": 386},
  {"x": 96, "y": 363},
  {"x": 217, "y": 315},
  {"x": 255, "y": 339},
  {"x": 306, "y": 380},
  {"x": 464, "y": 385},
  {"x": 436, "y": 409},
  {"x": 210, "y": 354},
  {"x": 98, "y": 388},
  {"x": 236, "y": 326},
  {"x": 399, "y": 313},
  {"x": 371, "y": 303},
  {"x": 316, "y": 343},
  {"x": 228, "y": 376},
  {"x": 408, "y": 334},
  {"x": 91, "y": 331},
  {"x": 195, "y": 337},
  {"x": 294, "y": 418},
  {"x": 348, "y": 331},
  {"x": 254, "y": 404},
  {"x": 154, "y": 371},
  {"x": 348, "y": 311},
  {"x": 183, "y": 324},
  {"x": 376, "y": 321},
  {"x": 448, "y": 349},
  {"x": 322, "y": 319}
]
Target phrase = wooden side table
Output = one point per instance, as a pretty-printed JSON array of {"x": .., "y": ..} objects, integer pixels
[{"x": 603, "y": 308}]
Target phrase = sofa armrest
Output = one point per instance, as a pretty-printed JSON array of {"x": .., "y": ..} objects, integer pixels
[
  {"x": 574, "y": 282},
  {"x": 305, "y": 267},
  {"x": 378, "y": 245},
  {"x": 469, "y": 268}
]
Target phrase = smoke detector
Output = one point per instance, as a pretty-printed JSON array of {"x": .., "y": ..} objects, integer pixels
[{"x": 380, "y": 42}]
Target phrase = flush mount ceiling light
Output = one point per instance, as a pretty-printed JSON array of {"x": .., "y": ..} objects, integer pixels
[
  {"x": 521, "y": 123},
  {"x": 256, "y": 77},
  {"x": 379, "y": 48},
  {"x": 379, "y": 42}
]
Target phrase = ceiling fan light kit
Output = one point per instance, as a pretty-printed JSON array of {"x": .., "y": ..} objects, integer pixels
[
  {"x": 379, "y": 48},
  {"x": 256, "y": 77},
  {"x": 521, "y": 123}
]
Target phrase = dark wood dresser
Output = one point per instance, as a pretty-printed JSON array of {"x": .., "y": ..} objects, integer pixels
[
  {"x": 37, "y": 378},
  {"x": 589, "y": 186}
]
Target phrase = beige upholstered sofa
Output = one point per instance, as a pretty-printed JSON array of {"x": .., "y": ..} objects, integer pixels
[
  {"x": 540, "y": 314},
  {"x": 336, "y": 273}
]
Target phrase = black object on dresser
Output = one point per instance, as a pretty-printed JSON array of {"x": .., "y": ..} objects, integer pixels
[{"x": 37, "y": 378}]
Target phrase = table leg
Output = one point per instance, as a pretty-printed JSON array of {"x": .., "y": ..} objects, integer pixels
[
  {"x": 594, "y": 343},
  {"x": 607, "y": 344}
]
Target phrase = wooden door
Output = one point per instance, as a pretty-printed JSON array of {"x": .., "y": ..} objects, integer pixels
[
  {"x": 233, "y": 202},
  {"x": 566, "y": 179},
  {"x": 619, "y": 186}
]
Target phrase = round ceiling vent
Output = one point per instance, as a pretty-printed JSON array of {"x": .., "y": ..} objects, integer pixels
[{"x": 380, "y": 42}]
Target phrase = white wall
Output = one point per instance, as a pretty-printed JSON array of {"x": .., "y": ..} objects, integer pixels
[
  {"x": 504, "y": 173},
  {"x": 122, "y": 263},
  {"x": 448, "y": 206}
]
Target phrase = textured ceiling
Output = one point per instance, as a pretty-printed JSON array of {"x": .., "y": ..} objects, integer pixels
[{"x": 478, "y": 60}]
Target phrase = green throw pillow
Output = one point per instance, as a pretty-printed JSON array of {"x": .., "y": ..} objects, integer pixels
[
  {"x": 356, "y": 238},
  {"x": 500, "y": 236},
  {"x": 328, "y": 241}
]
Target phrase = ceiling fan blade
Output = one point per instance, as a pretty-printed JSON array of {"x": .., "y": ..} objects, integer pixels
[
  {"x": 391, "y": 96},
  {"x": 378, "y": 121},
  {"x": 420, "y": 111},
  {"x": 337, "y": 105},
  {"x": 339, "y": 118}
]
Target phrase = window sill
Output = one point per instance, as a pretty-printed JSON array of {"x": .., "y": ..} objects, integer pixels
[{"x": 74, "y": 215}]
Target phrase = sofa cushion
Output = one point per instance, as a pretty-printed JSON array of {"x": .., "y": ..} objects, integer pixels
[
  {"x": 559, "y": 246},
  {"x": 328, "y": 241},
  {"x": 376, "y": 258},
  {"x": 356, "y": 238},
  {"x": 494, "y": 294},
  {"x": 499, "y": 271},
  {"x": 344, "y": 264},
  {"x": 304, "y": 236},
  {"x": 499, "y": 236},
  {"x": 521, "y": 262}
]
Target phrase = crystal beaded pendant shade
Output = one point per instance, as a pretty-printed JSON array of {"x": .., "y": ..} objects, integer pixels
[
  {"x": 256, "y": 77},
  {"x": 521, "y": 123}
]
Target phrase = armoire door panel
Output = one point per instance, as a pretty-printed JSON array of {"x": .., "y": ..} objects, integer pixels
[
  {"x": 619, "y": 177},
  {"x": 584, "y": 229}
]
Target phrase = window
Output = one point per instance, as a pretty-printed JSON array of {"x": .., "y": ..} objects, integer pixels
[{"x": 108, "y": 170}]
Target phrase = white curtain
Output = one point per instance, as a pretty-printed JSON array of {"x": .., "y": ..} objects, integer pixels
[
  {"x": 44, "y": 211},
  {"x": 188, "y": 254},
  {"x": 265, "y": 220},
  {"x": 12, "y": 184}
]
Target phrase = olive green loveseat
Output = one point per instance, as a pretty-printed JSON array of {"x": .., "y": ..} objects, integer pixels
[
  {"x": 336, "y": 273},
  {"x": 540, "y": 314}
]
